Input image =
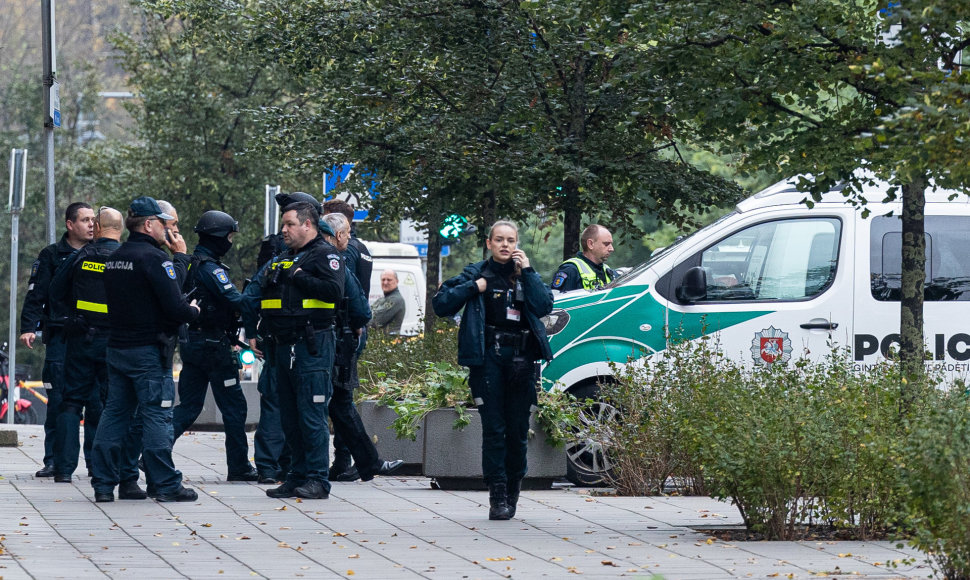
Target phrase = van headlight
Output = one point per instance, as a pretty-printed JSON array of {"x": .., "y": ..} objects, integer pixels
[{"x": 555, "y": 321}]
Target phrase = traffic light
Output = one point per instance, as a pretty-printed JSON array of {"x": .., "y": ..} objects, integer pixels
[
  {"x": 454, "y": 226},
  {"x": 247, "y": 357}
]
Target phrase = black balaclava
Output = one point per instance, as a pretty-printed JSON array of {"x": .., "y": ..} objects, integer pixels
[{"x": 219, "y": 245}]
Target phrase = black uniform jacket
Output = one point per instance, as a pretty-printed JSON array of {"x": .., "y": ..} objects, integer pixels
[{"x": 144, "y": 296}]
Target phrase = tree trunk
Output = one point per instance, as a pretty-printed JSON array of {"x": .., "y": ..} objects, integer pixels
[
  {"x": 433, "y": 274},
  {"x": 572, "y": 216},
  {"x": 912, "y": 284}
]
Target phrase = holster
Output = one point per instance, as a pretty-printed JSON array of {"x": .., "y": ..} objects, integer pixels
[
  {"x": 166, "y": 348},
  {"x": 311, "y": 340}
]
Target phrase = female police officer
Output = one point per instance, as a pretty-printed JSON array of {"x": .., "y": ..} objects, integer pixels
[{"x": 499, "y": 339}]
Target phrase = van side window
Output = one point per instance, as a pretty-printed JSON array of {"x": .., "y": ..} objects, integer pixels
[
  {"x": 947, "y": 261},
  {"x": 791, "y": 259}
]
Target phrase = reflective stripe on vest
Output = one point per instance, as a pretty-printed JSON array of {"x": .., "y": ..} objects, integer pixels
[
  {"x": 307, "y": 304},
  {"x": 588, "y": 275},
  {"x": 92, "y": 306}
]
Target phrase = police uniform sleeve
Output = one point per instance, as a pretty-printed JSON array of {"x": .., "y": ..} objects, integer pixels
[
  {"x": 217, "y": 281},
  {"x": 63, "y": 282},
  {"x": 164, "y": 283},
  {"x": 322, "y": 277},
  {"x": 538, "y": 296},
  {"x": 251, "y": 296},
  {"x": 359, "y": 310},
  {"x": 38, "y": 287},
  {"x": 567, "y": 278},
  {"x": 455, "y": 292},
  {"x": 181, "y": 262},
  {"x": 365, "y": 266}
]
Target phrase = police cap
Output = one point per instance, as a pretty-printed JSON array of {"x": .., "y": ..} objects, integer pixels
[
  {"x": 285, "y": 199},
  {"x": 147, "y": 207},
  {"x": 216, "y": 223}
]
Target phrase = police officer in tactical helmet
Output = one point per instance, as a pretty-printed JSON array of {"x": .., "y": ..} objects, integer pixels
[{"x": 208, "y": 357}]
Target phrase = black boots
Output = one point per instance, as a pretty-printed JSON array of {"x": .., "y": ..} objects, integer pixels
[
  {"x": 515, "y": 486},
  {"x": 498, "y": 502}
]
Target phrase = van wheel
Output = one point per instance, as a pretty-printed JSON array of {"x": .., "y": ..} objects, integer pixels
[{"x": 587, "y": 462}]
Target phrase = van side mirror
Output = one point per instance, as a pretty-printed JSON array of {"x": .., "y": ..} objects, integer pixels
[{"x": 694, "y": 285}]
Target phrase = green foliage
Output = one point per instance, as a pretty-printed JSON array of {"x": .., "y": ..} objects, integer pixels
[
  {"x": 809, "y": 444},
  {"x": 413, "y": 376},
  {"x": 935, "y": 467},
  {"x": 400, "y": 359}
]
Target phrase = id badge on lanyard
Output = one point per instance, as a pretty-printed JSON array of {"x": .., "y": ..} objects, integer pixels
[{"x": 511, "y": 312}]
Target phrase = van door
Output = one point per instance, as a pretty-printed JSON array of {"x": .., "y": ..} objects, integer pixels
[
  {"x": 946, "y": 306},
  {"x": 777, "y": 287}
]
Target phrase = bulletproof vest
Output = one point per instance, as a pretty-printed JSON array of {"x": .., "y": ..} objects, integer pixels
[
  {"x": 284, "y": 307},
  {"x": 588, "y": 275},
  {"x": 215, "y": 314},
  {"x": 90, "y": 299}
]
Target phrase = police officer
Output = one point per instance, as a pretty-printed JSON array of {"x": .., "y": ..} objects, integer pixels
[
  {"x": 37, "y": 316},
  {"x": 360, "y": 264},
  {"x": 79, "y": 282},
  {"x": 499, "y": 339},
  {"x": 145, "y": 309},
  {"x": 207, "y": 355},
  {"x": 588, "y": 268},
  {"x": 270, "y": 453},
  {"x": 352, "y": 317},
  {"x": 299, "y": 291}
]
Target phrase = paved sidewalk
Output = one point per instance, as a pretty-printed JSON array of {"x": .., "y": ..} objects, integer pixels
[{"x": 389, "y": 528}]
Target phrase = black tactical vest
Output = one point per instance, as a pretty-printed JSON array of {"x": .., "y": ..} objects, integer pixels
[{"x": 90, "y": 299}]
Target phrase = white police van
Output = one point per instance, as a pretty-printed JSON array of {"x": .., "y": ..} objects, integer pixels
[
  {"x": 403, "y": 259},
  {"x": 775, "y": 280}
]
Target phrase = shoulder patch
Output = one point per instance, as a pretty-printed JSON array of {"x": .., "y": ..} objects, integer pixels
[
  {"x": 559, "y": 280},
  {"x": 366, "y": 257},
  {"x": 34, "y": 267},
  {"x": 334, "y": 264},
  {"x": 220, "y": 275},
  {"x": 169, "y": 269}
]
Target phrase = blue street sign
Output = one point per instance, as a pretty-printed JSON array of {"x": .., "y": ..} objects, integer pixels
[{"x": 423, "y": 250}]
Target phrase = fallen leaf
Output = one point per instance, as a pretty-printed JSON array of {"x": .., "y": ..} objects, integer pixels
[
  {"x": 609, "y": 563},
  {"x": 502, "y": 559},
  {"x": 244, "y": 538},
  {"x": 354, "y": 556},
  {"x": 206, "y": 525},
  {"x": 282, "y": 545},
  {"x": 339, "y": 534}
]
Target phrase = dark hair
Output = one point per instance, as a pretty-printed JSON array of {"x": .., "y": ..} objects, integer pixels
[
  {"x": 304, "y": 211},
  {"x": 70, "y": 214},
  {"x": 339, "y": 206},
  {"x": 134, "y": 222}
]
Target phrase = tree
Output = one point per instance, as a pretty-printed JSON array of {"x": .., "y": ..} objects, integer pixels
[
  {"x": 826, "y": 88},
  {"x": 195, "y": 90}
]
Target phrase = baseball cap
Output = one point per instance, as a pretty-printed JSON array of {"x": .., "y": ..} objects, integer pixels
[{"x": 146, "y": 206}]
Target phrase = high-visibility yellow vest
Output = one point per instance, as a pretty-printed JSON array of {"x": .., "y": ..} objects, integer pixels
[{"x": 588, "y": 275}]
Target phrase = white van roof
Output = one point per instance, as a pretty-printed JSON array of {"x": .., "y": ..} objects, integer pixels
[
  {"x": 787, "y": 192},
  {"x": 391, "y": 250}
]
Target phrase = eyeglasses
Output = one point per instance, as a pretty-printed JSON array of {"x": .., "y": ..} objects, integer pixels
[{"x": 97, "y": 216}]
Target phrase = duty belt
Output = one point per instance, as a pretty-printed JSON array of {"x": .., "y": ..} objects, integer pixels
[{"x": 517, "y": 339}]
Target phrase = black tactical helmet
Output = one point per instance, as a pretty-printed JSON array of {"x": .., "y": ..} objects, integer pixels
[
  {"x": 285, "y": 199},
  {"x": 216, "y": 223}
]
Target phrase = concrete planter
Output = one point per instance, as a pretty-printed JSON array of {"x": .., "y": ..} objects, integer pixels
[
  {"x": 377, "y": 421},
  {"x": 454, "y": 458},
  {"x": 210, "y": 419}
]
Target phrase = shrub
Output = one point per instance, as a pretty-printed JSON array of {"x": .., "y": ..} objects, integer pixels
[
  {"x": 400, "y": 358},
  {"x": 792, "y": 447},
  {"x": 935, "y": 469}
]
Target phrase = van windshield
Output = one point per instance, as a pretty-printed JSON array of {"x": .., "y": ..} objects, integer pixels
[{"x": 659, "y": 254}]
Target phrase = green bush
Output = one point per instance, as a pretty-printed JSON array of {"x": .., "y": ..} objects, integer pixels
[
  {"x": 796, "y": 447},
  {"x": 399, "y": 358},
  {"x": 935, "y": 469}
]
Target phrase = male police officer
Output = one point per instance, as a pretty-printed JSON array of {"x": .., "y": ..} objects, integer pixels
[
  {"x": 36, "y": 316},
  {"x": 298, "y": 294},
  {"x": 352, "y": 316},
  {"x": 208, "y": 356},
  {"x": 79, "y": 282},
  {"x": 588, "y": 269},
  {"x": 145, "y": 309},
  {"x": 269, "y": 448}
]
